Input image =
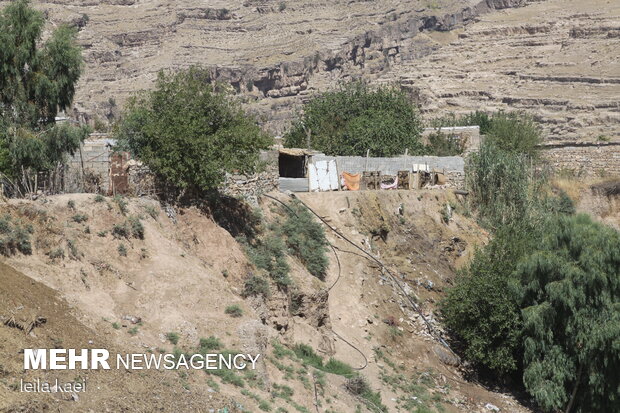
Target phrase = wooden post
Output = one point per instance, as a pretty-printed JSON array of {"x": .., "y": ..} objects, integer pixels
[
  {"x": 416, "y": 180},
  {"x": 308, "y": 135},
  {"x": 82, "y": 169}
]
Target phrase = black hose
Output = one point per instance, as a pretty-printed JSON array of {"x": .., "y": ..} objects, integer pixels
[
  {"x": 429, "y": 327},
  {"x": 333, "y": 285}
]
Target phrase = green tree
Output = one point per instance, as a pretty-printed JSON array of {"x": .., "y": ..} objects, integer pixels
[
  {"x": 482, "y": 310},
  {"x": 515, "y": 132},
  {"x": 37, "y": 80},
  {"x": 356, "y": 118},
  {"x": 570, "y": 300},
  {"x": 189, "y": 132},
  {"x": 501, "y": 185}
]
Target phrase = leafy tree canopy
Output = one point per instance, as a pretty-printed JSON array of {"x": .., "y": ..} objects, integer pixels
[
  {"x": 542, "y": 302},
  {"x": 189, "y": 132},
  {"x": 482, "y": 310},
  {"x": 514, "y": 132},
  {"x": 356, "y": 118},
  {"x": 37, "y": 80},
  {"x": 570, "y": 301}
]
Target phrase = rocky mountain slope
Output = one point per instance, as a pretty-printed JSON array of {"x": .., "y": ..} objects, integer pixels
[
  {"x": 187, "y": 270},
  {"x": 554, "y": 58},
  {"x": 267, "y": 49},
  {"x": 557, "y": 59}
]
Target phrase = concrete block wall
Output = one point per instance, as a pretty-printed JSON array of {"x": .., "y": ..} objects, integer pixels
[
  {"x": 391, "y": 166},
  {"x": 453, "y": 166}
]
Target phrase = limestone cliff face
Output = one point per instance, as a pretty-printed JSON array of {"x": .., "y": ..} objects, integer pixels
[
  {"x": 556, "y": 59},
  {"x": 552, "y": 57},
  {"x": 268, "y": 50}
]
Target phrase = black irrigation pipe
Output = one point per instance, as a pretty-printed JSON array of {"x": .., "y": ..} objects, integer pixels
[
  {"x": 333, "y": 285},
  {"x": 429, "y": 327}
]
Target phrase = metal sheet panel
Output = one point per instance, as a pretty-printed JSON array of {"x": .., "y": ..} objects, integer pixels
[{"x": 323, "y": 176}]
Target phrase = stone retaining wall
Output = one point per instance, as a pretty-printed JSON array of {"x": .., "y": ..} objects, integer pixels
[
  {"x": 251, "y": 186},
  {"x": 584, "y": 158}
]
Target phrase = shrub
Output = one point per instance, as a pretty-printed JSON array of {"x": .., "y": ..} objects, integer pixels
[
  {"x": 99, "y": 198},
  {"x": 116, "y": 326},
  {"x": 152, "y": 211},
  {"x": 357, "y": 385},
  {"x": 71, "y": 204},
  {"x": 560, "y": 204},
  {"x": 133, "y": 331},
  {"x": 306, "y": 238},
  {"x": 279, "y": 351},
  {"x": 122, "y": 250},
  {"x": 268, "y": 254},
  {"x": 121, "y": 230},
  {"x": 282, "y": 391},
  {"x": 14, "y": 236},
  {"x": 256, "y": 285},
  {"x": 73, "y": 250},
  {"x": 481, "y": 309},
  {"x": 228, "y": 376},
  {"x": 102, "y": 233},
  {"x": 264, "y": 406},
  {"x": 234, "y": 310},
  {"x": 210, "y": 343},
  {"x": 186, "y": 114},
  {"x": 172, "y": 337},
  {"x": 122, "y": 204},
  {"x": 501, "y": 185},
  {"x": 440, "y": 144},
  {"x": 79, "y": 218},
  {"x": 137, "y": 229},
  {"x": 515, "y": 133},
  {"x": 356, "y": 118},
  {"x": 338, "y": 367},
  {"x": 57, "y": 253},
  {"x": 308, "y": 356}
]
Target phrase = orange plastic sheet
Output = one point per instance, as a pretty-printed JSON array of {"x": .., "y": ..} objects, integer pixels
[{"x": 351, "y": 181}]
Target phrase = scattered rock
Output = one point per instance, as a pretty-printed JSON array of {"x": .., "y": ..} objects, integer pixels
[{"x": 446, "y": 356}]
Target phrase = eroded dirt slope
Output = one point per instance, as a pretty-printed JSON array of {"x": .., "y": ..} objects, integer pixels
[{"x": 187, "y": 269}]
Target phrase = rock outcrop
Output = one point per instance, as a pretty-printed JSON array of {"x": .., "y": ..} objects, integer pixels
[
  {"x": 556, "y": 59},
  {"x": 273, "y": 52}
]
